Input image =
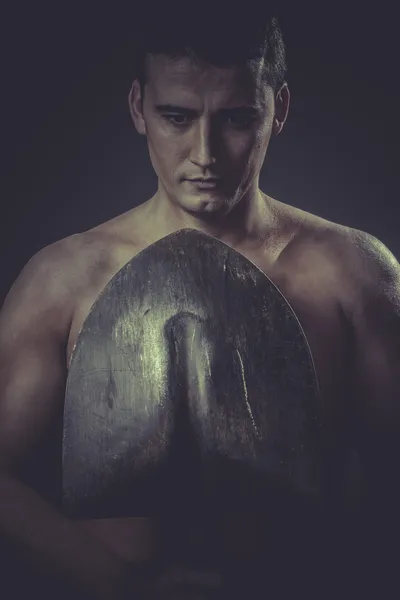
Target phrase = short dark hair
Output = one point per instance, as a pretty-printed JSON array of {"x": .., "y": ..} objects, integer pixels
[{"x": 218, "y": 37}]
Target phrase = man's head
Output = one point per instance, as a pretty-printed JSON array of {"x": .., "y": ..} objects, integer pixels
[{"x": 208, "y": 95}]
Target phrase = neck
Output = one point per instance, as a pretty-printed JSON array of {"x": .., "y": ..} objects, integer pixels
[{"x": 245, "y": 222}]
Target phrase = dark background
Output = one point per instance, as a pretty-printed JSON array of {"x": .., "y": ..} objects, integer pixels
[{"x": 73, "y": 159}]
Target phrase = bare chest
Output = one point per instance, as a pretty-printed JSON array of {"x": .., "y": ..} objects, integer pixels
[
  {"x": 317, "y": 310},
  {"x": 316, "y": 306},
  {"x": 320, "y": 317},
  {"x": 237, "y": 417}
]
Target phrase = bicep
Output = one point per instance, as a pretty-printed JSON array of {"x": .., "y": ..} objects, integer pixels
[
  {"x": 376, "y": 395},
  {"x": 33, "y": 322},
  {"x": 32, "y": 380}
]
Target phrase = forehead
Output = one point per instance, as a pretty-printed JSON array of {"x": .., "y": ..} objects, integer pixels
[{"x": 183, "y": 80}]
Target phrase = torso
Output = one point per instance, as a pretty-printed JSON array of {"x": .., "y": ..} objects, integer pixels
[{"x": 300, "y": 262}]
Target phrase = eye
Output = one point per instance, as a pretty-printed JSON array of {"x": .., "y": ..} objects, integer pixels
[
  {"x": 240, "y": 121},
  {"x": 179, "y": 120}
]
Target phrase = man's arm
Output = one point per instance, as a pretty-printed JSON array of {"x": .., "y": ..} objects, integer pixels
[
  {"x": 34, "y": 325},
  {"x": 374, "y": 310}
]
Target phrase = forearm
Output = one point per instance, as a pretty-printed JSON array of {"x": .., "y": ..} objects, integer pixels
[{"x": 56, "y": 547}]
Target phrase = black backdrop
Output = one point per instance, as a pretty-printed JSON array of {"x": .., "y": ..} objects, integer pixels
[{"x": 73, "y": 159}]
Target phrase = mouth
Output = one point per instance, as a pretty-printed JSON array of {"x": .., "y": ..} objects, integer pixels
[{"x": 205, "y": 183}]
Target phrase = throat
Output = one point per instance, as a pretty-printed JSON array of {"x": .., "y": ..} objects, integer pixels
[{"x": 249, "y": 220}]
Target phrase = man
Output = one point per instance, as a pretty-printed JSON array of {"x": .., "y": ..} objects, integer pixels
[{"x": 208, "y": 111}]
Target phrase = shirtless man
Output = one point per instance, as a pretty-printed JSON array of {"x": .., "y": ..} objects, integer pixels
[{"x": 202, "y": 119}]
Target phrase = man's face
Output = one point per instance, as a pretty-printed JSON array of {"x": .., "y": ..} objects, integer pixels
[{"x": 204, "y": 122}]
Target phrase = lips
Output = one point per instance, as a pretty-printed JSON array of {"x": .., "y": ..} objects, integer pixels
[
  {"x": 204, "y": 184},
  {"x": 209, "y": 180}
]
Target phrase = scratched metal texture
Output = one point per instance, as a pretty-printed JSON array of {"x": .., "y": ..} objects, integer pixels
[{"x": 191, "y": 382}]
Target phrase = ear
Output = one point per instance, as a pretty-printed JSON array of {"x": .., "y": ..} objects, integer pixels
[
  {"x": 136, "y": 107},
  {"x": 282, "y": 101}
]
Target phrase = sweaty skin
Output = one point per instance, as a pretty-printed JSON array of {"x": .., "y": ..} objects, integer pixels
[{"x": 343, "y": 284}]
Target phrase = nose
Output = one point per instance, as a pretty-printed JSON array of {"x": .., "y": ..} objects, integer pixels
[{"x": 201, "y": 153}]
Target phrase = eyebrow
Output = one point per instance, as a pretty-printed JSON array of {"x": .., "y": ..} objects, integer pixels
[
  {"x": 173, "y": 108},
  {"x": 245, "y": 110}
]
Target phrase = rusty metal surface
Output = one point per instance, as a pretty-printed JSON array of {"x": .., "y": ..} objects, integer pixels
[{"x": 191, "y": 383}]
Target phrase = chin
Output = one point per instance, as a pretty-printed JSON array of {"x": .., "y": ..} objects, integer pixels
[
  {"x": 205, "y": 205},
  {"x": 207, "y": 209}
]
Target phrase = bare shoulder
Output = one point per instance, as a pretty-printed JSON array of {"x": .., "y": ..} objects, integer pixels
[
  {"x": 51, "y": 270},
  {"x": 44, "y": 276},
  {"x": 371, "y": 296},
  {"x": 49, "y": 282},
  {"x": 373, "y": 261},
  {"x": 345, "y": 250},
  {"x": 365, "y": 264}
]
